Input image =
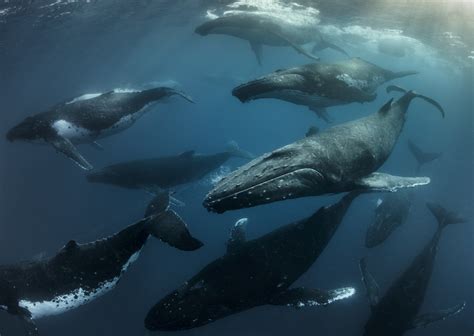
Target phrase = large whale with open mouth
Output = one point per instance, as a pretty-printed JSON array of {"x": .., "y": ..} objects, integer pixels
[
  {"x": 321, "y": 85},
  {"x": 264, "y": 29},
  {"x": 165, "y": 172},
  {"x": 80, "y": 273},
  {"x": 397, "y": 311},
  {"x": 341, "y": 158},
  {"x": 88, "y": 118},
  {"x": 255, "y": 273}
]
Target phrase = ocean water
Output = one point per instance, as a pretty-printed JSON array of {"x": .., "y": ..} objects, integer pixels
[{"x": 53, "y": 50}]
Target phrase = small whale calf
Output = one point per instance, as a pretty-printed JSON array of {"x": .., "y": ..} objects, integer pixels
[
  {"x": 391, "y": 212},
  {"x": 80, "y": 273},
  {"x": 397, "y": 311},
  {"x": 165, "y": 172},
  {"x": 264, "y": 29},
  {"x": 88, "y": 118},
  {"x": 321, "y": 85},
  {"x": 341, "y": 158},
  {"x": 255, "y": 273}
]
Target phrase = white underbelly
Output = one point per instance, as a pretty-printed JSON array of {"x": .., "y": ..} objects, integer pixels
[{"x": 300, "y": 98}]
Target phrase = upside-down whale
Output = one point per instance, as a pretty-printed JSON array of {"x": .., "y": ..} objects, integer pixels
[
  {"x": 391, "y": 212},
  {"x": 263, "y": 29},
  {"x": 321, "y": 85},
  {"x": 397, "y": 311},
  {"x": 165, "y": 172},
  {"x": 80, "y": 273},
  {"x": 255, "y": 273},
  {"x": 341, "y": 158},
  {"x": 88, "y": 118}
]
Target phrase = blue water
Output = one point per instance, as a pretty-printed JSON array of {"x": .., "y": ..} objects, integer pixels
[{"x": 46, "y": 200}]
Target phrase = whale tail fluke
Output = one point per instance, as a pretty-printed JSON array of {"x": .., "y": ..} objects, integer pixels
[
  {"x": 420, "y": 156},
  {"x": 443, "y": 216},
  {"x": 167, "y": 226},
  {"x": 234, "y": 149},
  {"x": 409, "y": 95}
]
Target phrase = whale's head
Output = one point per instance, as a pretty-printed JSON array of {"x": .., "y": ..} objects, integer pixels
[
  {"x": 30, "y": 129},
  {"x": 107, "y": 175},
  {"x": 286, "y": 173},
  {"x": 275, "y": 85},
  {"x": 192, "y": 306}
]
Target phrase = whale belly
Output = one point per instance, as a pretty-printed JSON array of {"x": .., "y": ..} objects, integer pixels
[
  {"x": 300, "y": 98},
  {"x": 79, "y": 296},
  {"x": 72, "y": 132}
]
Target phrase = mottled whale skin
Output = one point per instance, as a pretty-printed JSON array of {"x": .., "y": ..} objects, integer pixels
[
  {"x": 397, "y": 311},
  {"x": 321, "y": 85},
  {"x": 254, "y": 273},
  {"x": 88, "y": 118},
  {"x": 80, "y": 273},
  {"x": 391, "y": 212},
  {"x": 164, "y": 172},
  {"x": 263, "y": 29},
  {"x": 341, "y": 158}
]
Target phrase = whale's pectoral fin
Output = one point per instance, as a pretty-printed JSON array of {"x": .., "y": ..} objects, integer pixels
[
  {"x": 97, "y": 145},
  {"x": 306, "y": 297},
  {"x": 371, "y": 286},
  {"x": 66, "y": 147},
  {"x": 168, "y": 227},
  {"x": 321, "y": 112},
  {"x": 298, "y": 48},
  {"x": 386, "y": 182},
  {"x": 440, "y": 315},
  {"x": 28, "y": 324},
  {"x": 238, "y": 235},
  {"x": 257, "y": 50}
]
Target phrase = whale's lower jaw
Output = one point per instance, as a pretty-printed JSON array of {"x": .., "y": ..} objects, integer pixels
[{"x": 299, "y": 183}]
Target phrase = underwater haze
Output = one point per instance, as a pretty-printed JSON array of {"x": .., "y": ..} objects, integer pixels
[{"x": 52, "y": 51}]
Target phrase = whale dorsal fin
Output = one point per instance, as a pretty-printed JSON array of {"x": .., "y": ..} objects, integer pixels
[
  {"x": 187, "y": 154},
  {"x": 238, "y": 235},
  {"x": 440, "y": 315},
  {"x": 66, "y": 147},
  {"x": 386, "y": 107},
  {"x": 257, "y": 50},
  {"x": 312, "y": 131},
  {"x": 306, "y": 297}
]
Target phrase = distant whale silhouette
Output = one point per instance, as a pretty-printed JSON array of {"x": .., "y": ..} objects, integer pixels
[
  {"x": 165, "y": 172},
  {"x": 80, "y": 273},
  {"x": 422, "y": 157},
  {"x": 321, "y": 85},
  {"x": 341, "y": 158},
  {"x": 397, "y": 311},
  {"x": 88, "y": 118},
  {"x": 254, "y": 273}
]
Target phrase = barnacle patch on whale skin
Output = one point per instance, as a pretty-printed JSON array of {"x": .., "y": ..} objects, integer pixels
[
  {"x": 74, "y": 299},
  {"x": 352, "y": 82}
]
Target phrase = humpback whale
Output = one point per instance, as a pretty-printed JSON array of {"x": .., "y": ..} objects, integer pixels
[
  {"x": 421, "y": 156},
  {"x": 80, "y": 273},
  {"x": 397, "y": 311},
  {"x": 319, "y": 85},
  {"x": 165, "y": 172},
  {"x": 264, "y": 29},
  {"x": 341, "y": 158},
  {"x": 255, "y": 273},
  {"x": 391, "y": 212},
  {"x": 88, "y": 118}
]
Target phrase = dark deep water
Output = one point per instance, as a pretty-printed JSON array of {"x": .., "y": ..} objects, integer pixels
[{"x": 51, "y": 53}]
